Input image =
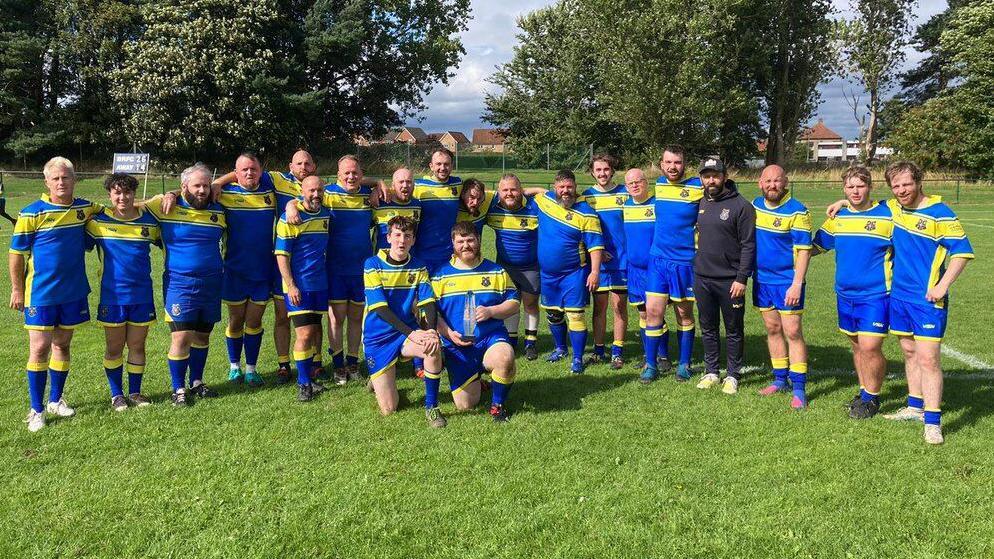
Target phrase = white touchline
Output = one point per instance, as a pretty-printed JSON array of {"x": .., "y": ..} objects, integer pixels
[
  {"x": 977, "y": 224},
  {"x": 967, "y": 359}
]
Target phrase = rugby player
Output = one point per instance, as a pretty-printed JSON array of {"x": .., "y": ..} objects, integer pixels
[
  {"x": 723, "y": 262},
  {"x": 474, "y": 204},
  {"x": 861, "y": 234},
  {"x": 123, "y": 235},
  {"x": 639, "y": 222},
  {"x": 514, "y": 219},
  {"x": 671, "y": 271},
  {"x": 439, "y": 195},
  {"x": 48, "y": 284},
  {"x": 927, "y": 234},
  {"x": 569, "y": 236},
  {"x": 401, "y": 202},
  {"x": 287, "y": 185},
  {"x": 191, "y": 278},
  {"x": 473, "y": 284},
  {"x": 300, "y": 255},
  {"x": 608, "y": 200},
  {"x": 783, "y": 251},
  {"x": 397, "y": 291}
]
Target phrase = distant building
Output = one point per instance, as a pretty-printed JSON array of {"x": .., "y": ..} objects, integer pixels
[
  {"x": 411, "y": 135},
  {"x": 489, "y": 139},
  {"x": 825, "y": 145},
  {"x": 451, "y": 140}
]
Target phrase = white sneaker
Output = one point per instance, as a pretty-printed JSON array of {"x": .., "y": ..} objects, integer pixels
[
  {"x": 730, "y": 386},
  {"x": 35, "y": 420},
  {"x": 907, "y": 414},
  {"x": 61, "y": 408},
  {"x": 708, "y": 380},
  {"x": 933, "y": 434}
]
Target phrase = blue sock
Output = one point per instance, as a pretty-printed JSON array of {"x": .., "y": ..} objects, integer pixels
[
  {"x": 868, "y": 396},
  {"x": 686, "y": 339},
  {"x": 57, "y": 381},
  {"x": 234, "y": 343},
  {"x": 578, "y": 341},
  {"x": 617, "y": 349},
  {"x": 253, "y": 344},
  {"x": 653, "y": 336},
  {"x": 135, "y": 383},
  {"x": 598, "y": 349},
  {"x": 780, "y": 371},
  {"x": 37, "y": 378},
  {"x": 664, "y": 345},
  {"x": 933, "y": 417},
  {"x": 114, "y": 368},
  {"x": 499, "y": 389},
  {"x": 558, "y": 334},
  {"x": 432, "y": 382},
  {"x": 177, "y": 370},
  {"x": 513, "y": 338},
  {"x": 338, "y": 359},
  {"x": 198, "y": 360},
  {"x": 352, "y": 360},
  {"x": 305, "y": 360},
  {"x": 797, "y": 383},
  {"x": 916, "y": 402}
]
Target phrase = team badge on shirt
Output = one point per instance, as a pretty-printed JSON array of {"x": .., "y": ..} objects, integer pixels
[
  {"x": 648, "y": 212},
  {"x": 569, "y": 216},
  {"x": 921, "y": 225},
  {"x": 777, "y": 222},
  {"x": 620, "y": 200},
  {"x": 486, "y": 281},
  {"x": 455, "y": 191},
  {"x": 684, "y": 193},
  {"x": 214, "y": 218},
  {"x": 524, "y": 223},
  {"x": 144, "y": 231},
  {"x": 870, "y": 226},
  {"x": 725, "y": 212},
  {"x": 32, "y": 311},
  {"x": 80, "y": 215},
  {"x": 410, "y": 277},
  {"x": 175, "y": 309}
]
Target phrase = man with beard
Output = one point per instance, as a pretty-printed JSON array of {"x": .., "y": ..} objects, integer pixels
[
  {"x": 401, "y": 202},
  {"x": 48, "y": 284},
  {"x": 608, "y": 200},
  {"x": 514, "y": 219},
  {"x": 569, "y": 252},
  {"x": 671, "y": 272},
  {"x": 474, "y": 296},
  {"x": 725, "y": 258},
  {"x": 191, "y": 278},
  {"x": 474, "y": 204},
  {"x": 783, "y": 251}
]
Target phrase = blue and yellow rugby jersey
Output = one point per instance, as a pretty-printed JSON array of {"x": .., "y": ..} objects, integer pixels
[
  {"x": 565, "y": 236},
  {"x": 250, "y": 218},
  {"x": 480, "y": 220},
  {"x": 609, "y": 206},
  {"x": 923, "y": 238},
  {"x": 489, "y": 284},
  {"x": 516, "y": 232},
  {"x": 186, "y": 232},
  {"x": 306, "y": 245},
  {"x": 677, "y": 205},
  {"x": 781, "y": 231},
  {"x": 124, "y": 248},
  {"x": 287, "y": 188},
  {"x": 402, "y": 287},
  {"x": 863, "y": 250},
  {"x": 350, "y": 243},
  {"x": 640, "y": 225},
  {"x": 439, "y": 210},
  {"x": 387, "y": 211},
  {"x": 52, "y": 238}
]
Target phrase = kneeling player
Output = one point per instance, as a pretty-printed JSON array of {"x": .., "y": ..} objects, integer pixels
[
  {"x": 123, "y": 235},
  {"x": 300, "y": 255},
  {"x": 474, "y": 297},
  {"x": 397, "y": 289}
]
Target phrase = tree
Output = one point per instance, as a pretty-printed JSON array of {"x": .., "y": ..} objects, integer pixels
[
  {"x": 873, "y": 47},
  {"x": 799, "y": 57}
]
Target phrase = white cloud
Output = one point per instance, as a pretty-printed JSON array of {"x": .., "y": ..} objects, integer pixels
[{"x": 490, "y": 40}]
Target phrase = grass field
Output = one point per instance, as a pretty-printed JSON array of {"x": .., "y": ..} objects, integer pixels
[{"x": 590, "y": 466}]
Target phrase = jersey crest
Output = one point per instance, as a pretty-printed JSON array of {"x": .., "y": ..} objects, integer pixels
[
  {"x": 175, "y": 309},
  {"x": 144, "y": 231},
  {"x": 724, "y": 214},
  {"x": 870, "y": 226},
  {"x": 777, "y": 222},
  {"x": 214, "y": 218},
  {"x": 485, "y": 282},
  {"x": 684, "y": 193},
  {"x": 921, "y": 225},
  {"x": 80, "y": 215}
]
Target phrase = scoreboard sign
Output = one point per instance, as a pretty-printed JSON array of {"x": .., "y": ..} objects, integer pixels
[{"x": 131, "y": 163}]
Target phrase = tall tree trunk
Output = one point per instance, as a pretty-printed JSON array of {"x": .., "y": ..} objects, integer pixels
[{"x": 870, "y": 144}]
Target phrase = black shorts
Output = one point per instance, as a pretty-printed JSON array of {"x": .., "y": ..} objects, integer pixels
[
  {"x": 526, "y": 278},
  {"x": 306, "y": 319},
  {"x": 202, "y": 327}
]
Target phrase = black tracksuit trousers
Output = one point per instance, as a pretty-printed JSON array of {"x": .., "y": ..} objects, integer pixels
[{"x": 713, "y": 298}]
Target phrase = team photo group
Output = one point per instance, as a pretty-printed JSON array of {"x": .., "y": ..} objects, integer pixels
[{"x": 398, "y": 269}]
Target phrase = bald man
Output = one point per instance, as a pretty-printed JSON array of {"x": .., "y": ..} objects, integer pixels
[
  {"x": 783, "y": 250},
  {"x": 401, "y": 202}
]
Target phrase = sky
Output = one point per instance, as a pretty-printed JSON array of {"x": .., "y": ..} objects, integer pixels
[{"x": 489, "y": 42}]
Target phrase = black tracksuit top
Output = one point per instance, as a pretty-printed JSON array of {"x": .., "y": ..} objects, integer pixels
[{"x": 726, "y": 242}]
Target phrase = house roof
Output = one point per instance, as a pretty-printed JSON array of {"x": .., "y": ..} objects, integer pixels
[
  {"x": 416, "y": 133},
  {"x": 488, "y": 136},
  {"x": 458, "y": 137},
  {"x": 820, "y": 132}
]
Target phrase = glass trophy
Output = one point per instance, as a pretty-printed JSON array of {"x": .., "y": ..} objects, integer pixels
[{"x": 469, "y": 318}]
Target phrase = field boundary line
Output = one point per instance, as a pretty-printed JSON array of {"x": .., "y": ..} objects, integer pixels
[
  {"x": 968, "y": 359},
  {"x": 985, "y": 372},
  {"x": 977, "y": 224}
]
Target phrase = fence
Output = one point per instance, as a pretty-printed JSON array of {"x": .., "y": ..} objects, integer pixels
[{"x": 379, "y": 158}]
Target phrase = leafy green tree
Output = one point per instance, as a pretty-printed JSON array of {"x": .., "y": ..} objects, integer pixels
[{"x": 873, "y": 46}]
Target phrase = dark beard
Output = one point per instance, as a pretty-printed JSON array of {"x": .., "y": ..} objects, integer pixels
[{"x": 196, "y": 204}]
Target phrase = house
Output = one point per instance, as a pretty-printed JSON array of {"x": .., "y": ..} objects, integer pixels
[
  {"x": 411, "y": 135},
  {"x": 489, "y": 139},
  {"x": 451, "y": 140},
  {"x": 389, "y": 137},
  {"x": 824, "y": 144}
]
